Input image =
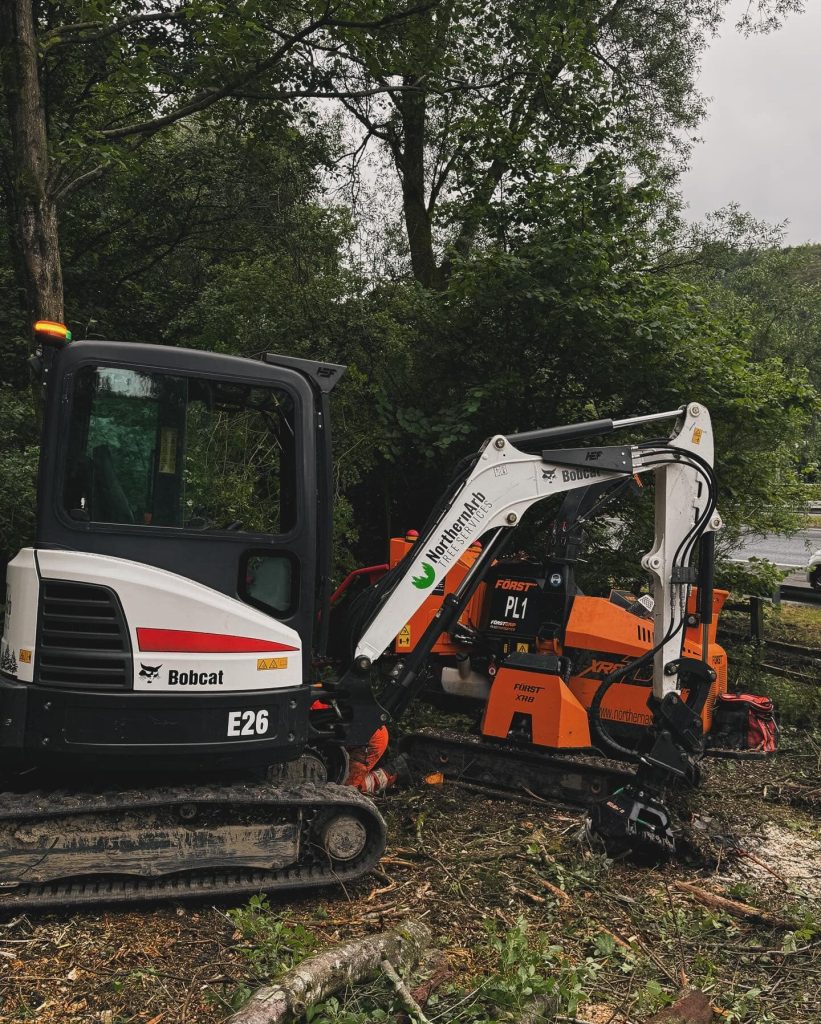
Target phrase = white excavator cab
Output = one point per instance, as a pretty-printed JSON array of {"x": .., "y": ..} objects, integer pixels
[{"x": 170, "y": 604}]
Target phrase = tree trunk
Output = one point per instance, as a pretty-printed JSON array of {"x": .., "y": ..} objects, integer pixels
[
  {"x": 320, "y": 976},
  {"x": 412, "y": 108},
  {"x": 36, "y": 237}
]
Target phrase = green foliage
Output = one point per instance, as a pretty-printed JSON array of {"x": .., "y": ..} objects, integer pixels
[
  {"x": 524, "y": 966},
  {"x": 794, "y": 623},
  {"x": 773, "y": 295},
  {"x": 270, "y": 945},
  {"x": 501, "y": 102},
  {"x": 577, "y": 296},
  {"x": 333, "y": 1011},
  {"x": 114, "y": 71},
  {"x": 573, "y": 320},
  {"x": 215, "y": 225},
  {"x": 756, "y": 577},
  {"x": 18, "y": 471},
  {"x": 747, "y": 1006}
]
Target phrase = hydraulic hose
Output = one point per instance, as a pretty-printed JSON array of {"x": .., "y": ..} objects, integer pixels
[
  {"x": 597, "y": 726},
  {"x": 681, "y": 556}
]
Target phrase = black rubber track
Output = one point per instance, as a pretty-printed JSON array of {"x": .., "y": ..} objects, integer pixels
[
  {"x": 313, "y": 869},
  {"x": 582, "y": 780}
]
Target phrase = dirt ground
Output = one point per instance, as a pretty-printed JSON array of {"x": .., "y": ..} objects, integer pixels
[{"x": 459, "y": 861}]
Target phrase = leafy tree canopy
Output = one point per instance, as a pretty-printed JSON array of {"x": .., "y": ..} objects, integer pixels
[{"x": 184, "y": 172}]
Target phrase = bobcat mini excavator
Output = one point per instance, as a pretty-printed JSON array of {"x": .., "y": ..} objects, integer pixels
[{"x": 162, "y": 730}]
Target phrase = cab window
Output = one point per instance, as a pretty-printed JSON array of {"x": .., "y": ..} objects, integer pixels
[
  {"x": 268, "y": 581},
  {"x": 160, "y": 450}
]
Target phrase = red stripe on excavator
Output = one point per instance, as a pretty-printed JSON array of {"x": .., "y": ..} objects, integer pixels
[{"x": 184, "y": 641}]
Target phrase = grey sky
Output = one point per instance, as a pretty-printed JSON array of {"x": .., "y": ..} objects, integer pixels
[{"x": 762, "y": 138}]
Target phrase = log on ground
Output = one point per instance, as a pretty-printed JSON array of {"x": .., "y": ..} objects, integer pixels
[
  {"x": 733, "y": 907},
  {"x": 320, "y": 976}
]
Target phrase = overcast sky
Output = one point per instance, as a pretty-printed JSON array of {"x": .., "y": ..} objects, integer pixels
[{"x": 762, "y": 137}]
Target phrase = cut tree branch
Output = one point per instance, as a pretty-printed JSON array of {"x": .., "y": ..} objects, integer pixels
[
  {"x": 404, "y": 993},
  {"x": 322, "y": 975},
  {"x": 732, "y": 907}
]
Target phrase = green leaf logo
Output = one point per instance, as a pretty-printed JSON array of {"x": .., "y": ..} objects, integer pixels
[{"x": 428, "y": 576}]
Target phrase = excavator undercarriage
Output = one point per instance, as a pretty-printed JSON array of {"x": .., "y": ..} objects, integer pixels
[
  {"x": 68, "y": 847},
  {"x": 508, "y": 769}
]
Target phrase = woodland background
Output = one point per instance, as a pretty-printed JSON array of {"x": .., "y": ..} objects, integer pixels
[{"x": 474, "y": 206}]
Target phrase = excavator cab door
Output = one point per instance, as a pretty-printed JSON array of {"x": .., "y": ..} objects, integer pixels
[{"x": 205, "y": 465}]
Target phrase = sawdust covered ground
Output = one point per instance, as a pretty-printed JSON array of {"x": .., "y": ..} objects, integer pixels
[{"x": 459, "y": 861}]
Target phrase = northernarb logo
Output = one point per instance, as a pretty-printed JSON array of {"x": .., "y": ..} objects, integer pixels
[
  {"x": 452, "y": 539},
  {"x": 428, "y": 575}
]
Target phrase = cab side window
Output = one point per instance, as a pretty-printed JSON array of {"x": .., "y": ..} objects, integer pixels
[
  {"x": 160, "y": 450},
  {"x": 269, "y": 582}
]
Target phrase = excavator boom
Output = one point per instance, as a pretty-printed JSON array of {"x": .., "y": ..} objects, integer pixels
[{"x": 503, "y": 482}]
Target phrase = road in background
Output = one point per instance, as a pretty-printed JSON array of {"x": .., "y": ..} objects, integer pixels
[{"x": 789, "y": 552}]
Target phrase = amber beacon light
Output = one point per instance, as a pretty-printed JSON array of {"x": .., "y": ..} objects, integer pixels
[{"x": 51, "y": 331}]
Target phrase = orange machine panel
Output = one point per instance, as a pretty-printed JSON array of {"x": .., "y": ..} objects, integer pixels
[
  {"x": 693, "y": 633},
  {"x": 409, "y": 635},
  {"x": 626, "y": 703},
  {"x": 607, "y": 636},
  {"x": 557, "y": 719},
  {"x": 595, "y": 623}
]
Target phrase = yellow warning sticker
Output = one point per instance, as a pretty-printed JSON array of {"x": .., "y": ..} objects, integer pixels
[
  {"x": 697, "y": 432},
  {"x": 25, "y": 656},
  {"x": 403, "y": 640},
  {"x": 522, "y": 648},
  {"x": 268, "y": 663}
]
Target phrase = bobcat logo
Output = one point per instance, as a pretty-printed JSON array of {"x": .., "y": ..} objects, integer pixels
[
  {"x": 549, "y": 475},
  {"x": 149, "y": 672}
]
